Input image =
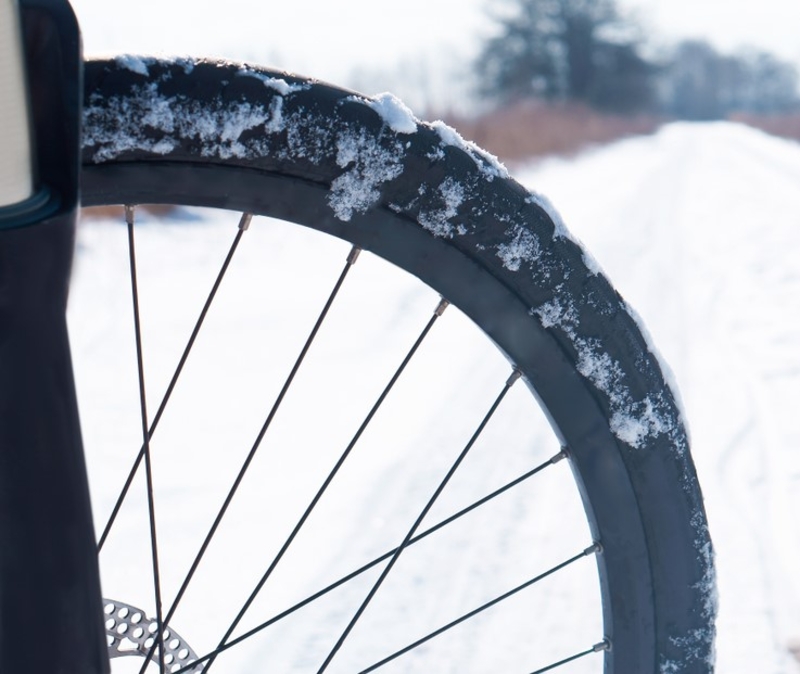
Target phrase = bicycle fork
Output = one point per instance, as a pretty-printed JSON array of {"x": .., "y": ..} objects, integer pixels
[{"x": 51, "y": 619}]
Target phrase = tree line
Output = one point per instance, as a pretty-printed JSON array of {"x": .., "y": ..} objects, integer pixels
[{"x": 585, "y": 51}]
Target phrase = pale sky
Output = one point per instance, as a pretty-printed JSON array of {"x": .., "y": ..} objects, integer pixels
[
  {"x": 330, "y": 39},
  {"x": 770, "y": 24}
]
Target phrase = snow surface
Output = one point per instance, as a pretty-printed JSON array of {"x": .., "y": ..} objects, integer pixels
[{"x": 695, "y": 239}]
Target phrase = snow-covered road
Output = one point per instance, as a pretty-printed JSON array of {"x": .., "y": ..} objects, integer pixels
[{"x": 698, "y": 226}]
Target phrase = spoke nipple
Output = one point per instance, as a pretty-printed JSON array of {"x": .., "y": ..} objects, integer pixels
[
  {"x": 244, "y": 223},
  {"x": 353, "y": 256},
  {"x": 516, "y": 374},
  {"x": 597, "y": 548},
  {"x": 563, "y": 454},
  {"x": 604, "y": 645},
  {"x": 443, "y": 304},
  {"x": 129, "y": 213}
]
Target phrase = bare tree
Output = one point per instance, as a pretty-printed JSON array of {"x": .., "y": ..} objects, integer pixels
[{"x": 699, "y": 83}]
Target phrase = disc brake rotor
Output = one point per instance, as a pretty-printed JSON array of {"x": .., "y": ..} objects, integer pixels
[{"x": 130, "y": 632}]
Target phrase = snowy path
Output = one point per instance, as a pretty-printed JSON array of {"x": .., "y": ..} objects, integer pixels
[{"x": 699, "y": 228}]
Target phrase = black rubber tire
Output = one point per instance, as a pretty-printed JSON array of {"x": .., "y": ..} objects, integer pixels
[{"x": 226, "y": 135}]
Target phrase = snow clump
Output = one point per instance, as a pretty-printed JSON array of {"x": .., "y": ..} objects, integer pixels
[
  {"x": 396, "y": 114},
  {"x": 490, "y": 166},
  {"x": 437, "y": 220},
  {"x": 632, "y": 421},
  {"x": 523, "y": 247},
  {"x": 275, "y": 83},
  {"x": 560, "y": 230},
  {"x": 135, "y": 64},
  {"x": 368, "y": 166}
]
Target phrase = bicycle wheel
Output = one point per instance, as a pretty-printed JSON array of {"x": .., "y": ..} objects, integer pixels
[{"x": 230, "y": 136}]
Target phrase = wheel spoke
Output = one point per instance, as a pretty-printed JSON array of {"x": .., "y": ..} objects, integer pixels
[
  {"x": 369, "y": 565},
  {"x": 585, "y": 553},
  {"x": 376, "y": 406},
  {"x": 351, "y": 260},
  {"x": 244, "y": 224},
  {"x": 506, "y": 388},
  {"x": 604, "y": 645},
  {"x": 129, "y": 217}
]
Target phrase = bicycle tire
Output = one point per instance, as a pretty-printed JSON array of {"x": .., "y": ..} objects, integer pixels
[{"x": 227, "y": 135}]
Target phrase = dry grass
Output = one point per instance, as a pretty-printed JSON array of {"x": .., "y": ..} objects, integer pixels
[
  {"x": 118, "y": 212},
  {"x": 783, "y": 125},
  {"x": 533, "y": 129}
]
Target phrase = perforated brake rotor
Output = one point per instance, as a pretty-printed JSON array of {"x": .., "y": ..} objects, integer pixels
[{"x": 130, "y": 632}]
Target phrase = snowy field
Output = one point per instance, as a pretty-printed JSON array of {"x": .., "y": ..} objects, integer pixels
[{"x": 697, "y": 226}]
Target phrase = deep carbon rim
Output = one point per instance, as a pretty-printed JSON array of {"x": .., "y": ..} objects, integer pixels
[{"x": 641, "y": 495}]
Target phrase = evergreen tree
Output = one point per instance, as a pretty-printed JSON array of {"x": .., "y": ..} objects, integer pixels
[{"x": 580, "y": 50}]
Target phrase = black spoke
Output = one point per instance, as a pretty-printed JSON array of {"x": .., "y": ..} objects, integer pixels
[
  {"x": 509, "y": 383},
  {"x": 436, "y": 314},
  {"x": 129, "y": 215},
  {"x": 244, "y": 224},
  {"x": 588, "y": 551},
  {"x": 351, "y": 260},
  {"x": 369, "y": 565},
  {"x": 604, "y": 645}
]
